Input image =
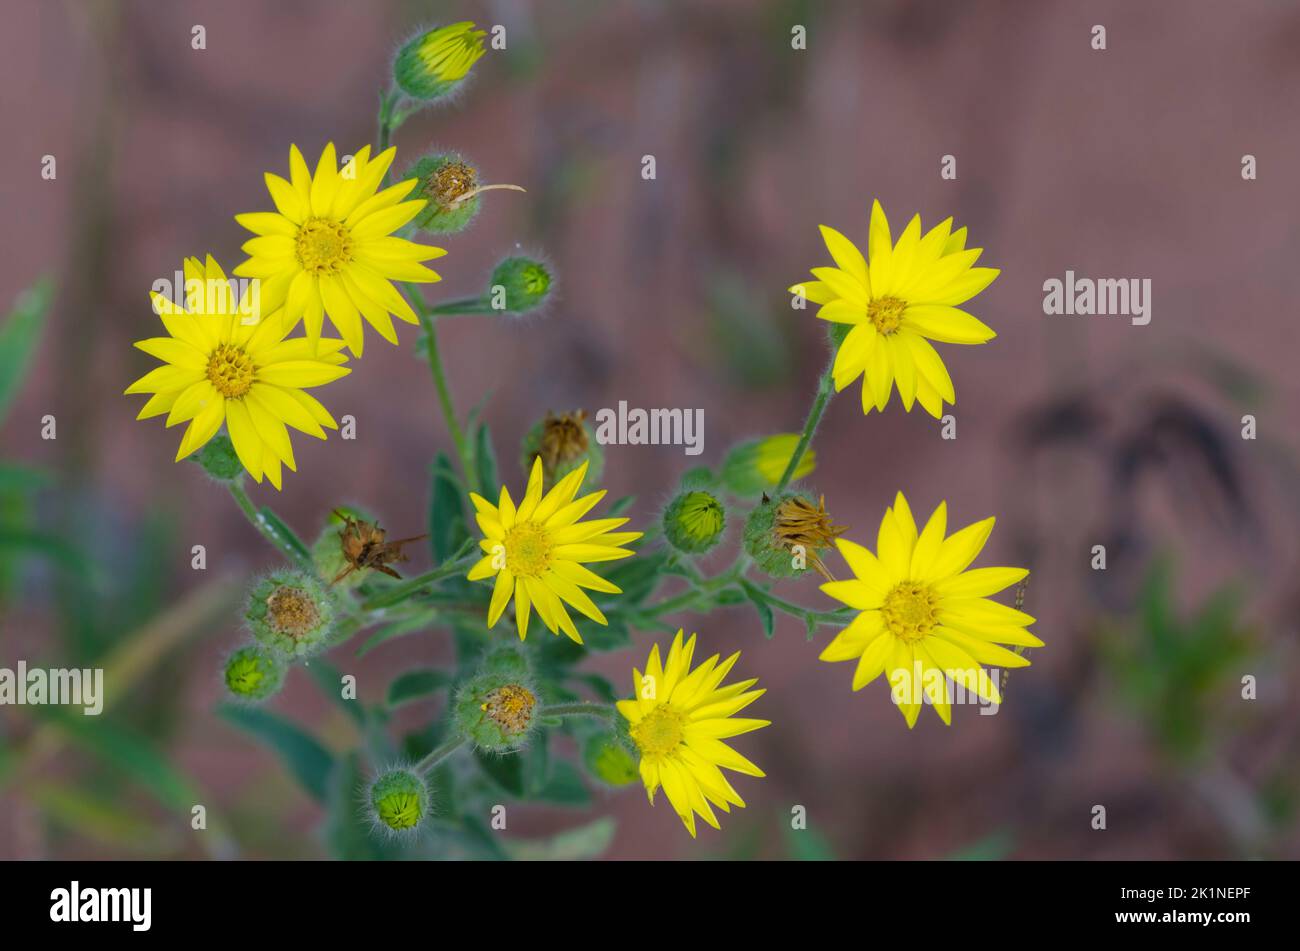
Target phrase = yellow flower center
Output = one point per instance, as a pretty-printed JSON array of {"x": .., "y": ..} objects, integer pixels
[
  {"x": 230, "y": 370},
  {"x": 528, "y": 550},
  {"x": 909, "y": 611},
  {"x": 291, "y": 611},
  {"x": 324, "y": 245},
  {"x": 886, "y": 313},
  {"x": 510, "y": 707},
  {"x": 660, "y": 731}
]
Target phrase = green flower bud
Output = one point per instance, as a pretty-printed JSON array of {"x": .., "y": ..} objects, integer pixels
[
  {"x": 449, "y": 184},
  {"x": 786, "y": 535},
  {"x": 218, "y": 459},
  {"x": 757, "y": 466},
  {"x": 518, "y": 285},
  {"x": 399, "y": 801},
  {"x": 564, "y": 442},
  {"x": 497, "y": 711},
  {"x": 694, "y": 521},
  {"x": 609, "y": 759},
  {"x": 432, "y": 64},
  {"x": 253, "y": 673},
  {"x": 291, "y": 612}
]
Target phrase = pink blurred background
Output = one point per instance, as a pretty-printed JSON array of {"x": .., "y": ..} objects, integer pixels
[{"x": 1117, "y": 163}]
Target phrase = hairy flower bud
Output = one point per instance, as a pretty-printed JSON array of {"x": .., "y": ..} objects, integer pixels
[
  {"x": 563, "y": 442},
  {"x": 496, "y": 710},
  {"x": 399, "y": 801},
  {"x": 694, "y": 521},
  {"x": 519, "y": 284},
  {"x": 291, "y": 612},
  {"x": 785, "y": 535},
  {"x": 757, "y": 465},
  {"x": 253, "y": 673},
  {"x": 432, "y": 64}
]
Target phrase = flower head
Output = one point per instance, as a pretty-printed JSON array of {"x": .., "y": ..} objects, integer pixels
[
  {"x": 291, "y": 612},
  {"x": 756, "y": 466},
  {"x": 536, "y": 552},
  {"x": 223, "y": 367},
  {"x": 925, "y": 619},
  {"x": 497, "y": 710},
  {"x": 678, "y": 720},
  {"x": 329, "y": 249},
  {"x": 432, "y": 63},
  {"x": 786, "y": 534},
  {"x": 893, "y": 306}
]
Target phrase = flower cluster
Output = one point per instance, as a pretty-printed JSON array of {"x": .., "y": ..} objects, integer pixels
[{"x": 337, "y": 254}]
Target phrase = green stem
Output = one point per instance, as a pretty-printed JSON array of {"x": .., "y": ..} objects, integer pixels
[
  {"x": 580, "y": 709},
  {"x": 439, "y": 374},
  {"x": 401, "y": 592},
  {"x": 289, "y": 547},
  {"x": 440, "y": 754},
  {"x": 463, "y": 306},
  {"x": 824, "y": 392}
]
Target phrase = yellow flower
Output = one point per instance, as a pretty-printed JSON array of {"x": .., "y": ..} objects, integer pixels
[
  {"x": 678, "y": 722},
  {"x": 222, "y": 366},
  {"x": 328, "y": 248},
  {"x": 906, "y": 298},
  {"x": 536, "y": 552},
  {"x": 433, "y": 62},
  {"x": 925, "y": 618}
]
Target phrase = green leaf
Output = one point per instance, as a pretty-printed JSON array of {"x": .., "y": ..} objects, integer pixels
[
  {"x": 18, "y": 338},
  {"x": 416, "y": 685},
  {"x": 485, "y": 460},
  {"x": 599, "y": 685},
  {"x": 583, "y": 842},
  {"x": 127, "y": 752},
  {"x": 506, "y": 770},
  {"x": 400, "y": 628},
  {"x": 304, "y": 756},
  {"x": 637, "y": 576},
  {"x": 758, "y": 598},
  {"x": 565, "y": 787},
  {"x": 346, "y": 831},
  {"x": 289, "y": 543},
  {"x": 330, "y": 681},
  {"x": 15, "y": 478},
  {"x": 620, "y": 506},
  {"x": 100, "y": 820},
  {"x": 447, "y": 526},
  {"x": 808, "y": 845}
]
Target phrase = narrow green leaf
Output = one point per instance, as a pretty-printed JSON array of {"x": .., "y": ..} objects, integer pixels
[
  {"x": 416, "y": 685},
  {"x": 19, "y": 335},
  {"x": 400, "y": 628},
  {"x": 303, "y": 755},
  {"x": 583, "y": 842},
  {"x": 566, "y": 787},
  {"x": 506, "y": 770},
  {"x": 330, "y": 681},
  {"x": 285, "y": 538},
  {"x": 485, "y": 460},
  {"x": 758, "y": 599},
  {"x": 447, "y": 525}
]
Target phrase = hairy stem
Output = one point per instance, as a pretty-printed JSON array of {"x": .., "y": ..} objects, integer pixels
[
  {"x": 580, "y": 709},
  {"x": 427, "y": 321},
  {"x": 439, "y": 754},
  {"x": 281, "y": 544},
  {"x": 822, "y": 397}
]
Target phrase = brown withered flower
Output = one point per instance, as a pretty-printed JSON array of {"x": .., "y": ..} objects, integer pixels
[
  {"x": 563, "y": 442},
  {"x": 790, "y": 524},
  {"x": 365, "y": 545}
]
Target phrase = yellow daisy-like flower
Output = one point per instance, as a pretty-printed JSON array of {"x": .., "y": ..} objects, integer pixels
[
  {"x": 678, "y": 722},
  {"x": 907, "y": 297},
  {"x": 925, "y": 618},
  {"x": 222, "y": 367},
  {"x": 536, "y": 552},
  {"x": 329, "y": 246}
]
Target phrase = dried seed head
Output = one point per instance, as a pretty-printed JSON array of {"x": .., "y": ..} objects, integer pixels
[
  {"x": 563, "y": 442},
  {"x": 785, "y": 535},
  {"x": 497, "y": 709},
  {"x": 448, "y": 183}
]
